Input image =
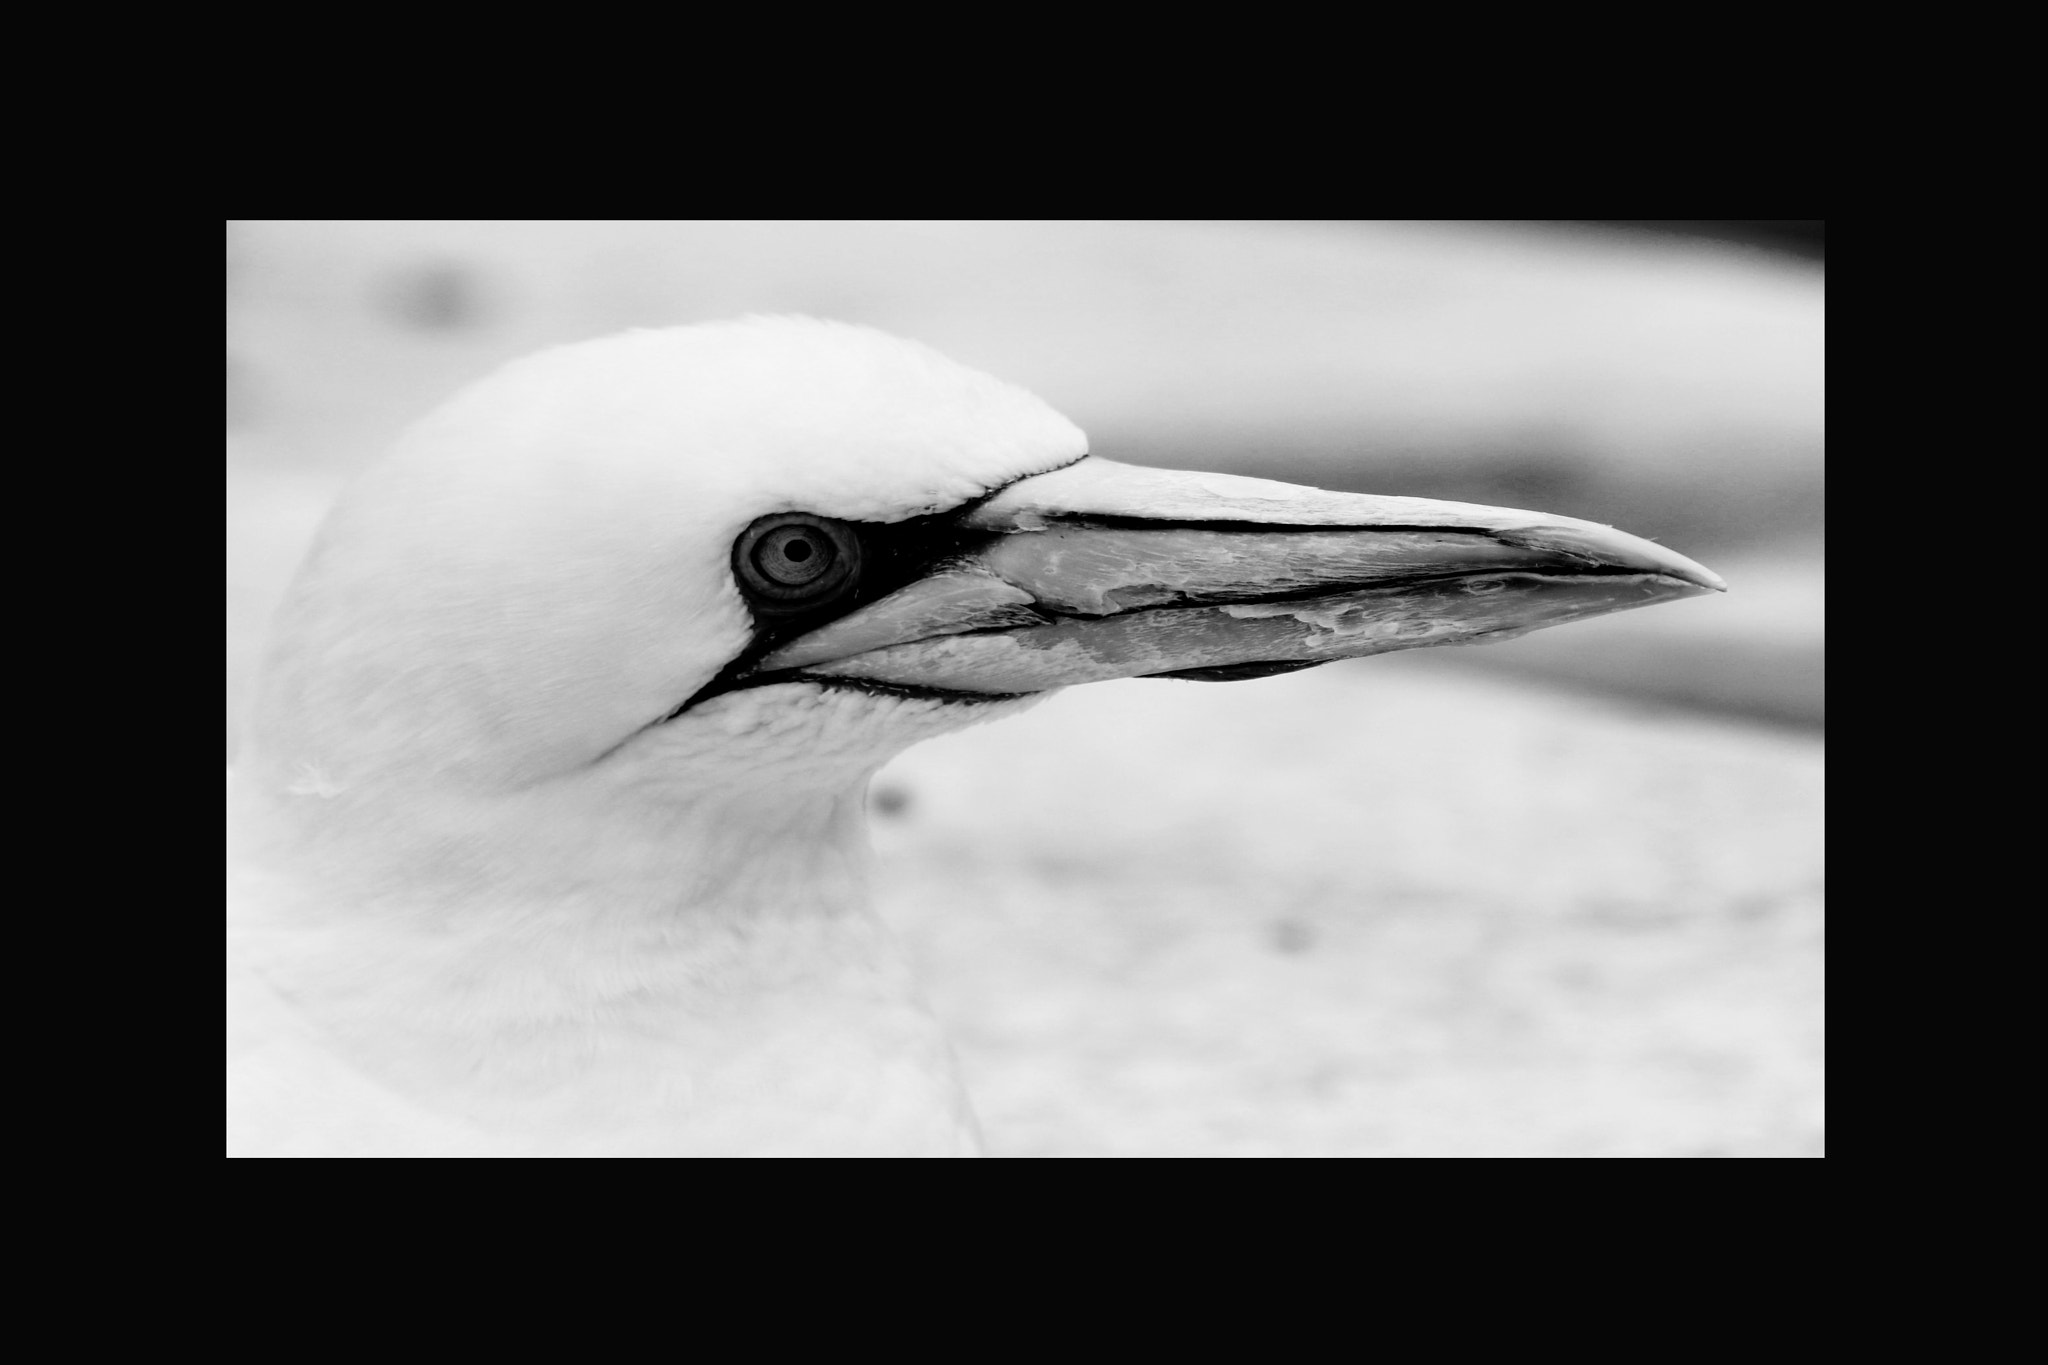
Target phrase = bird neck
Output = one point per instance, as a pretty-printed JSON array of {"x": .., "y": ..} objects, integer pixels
[{"x": 589, "y": 959}]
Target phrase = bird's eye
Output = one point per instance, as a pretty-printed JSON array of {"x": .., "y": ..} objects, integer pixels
[{"x": 793, "y": 561}]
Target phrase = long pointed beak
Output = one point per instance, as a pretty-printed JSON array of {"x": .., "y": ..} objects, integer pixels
[{"x": 1101, "y": 570}]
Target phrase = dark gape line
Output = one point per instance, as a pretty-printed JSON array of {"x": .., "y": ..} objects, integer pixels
[{"x": 1240, "y": 672}]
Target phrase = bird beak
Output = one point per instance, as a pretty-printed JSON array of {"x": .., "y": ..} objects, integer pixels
[{"x": 1100, "y": 570}]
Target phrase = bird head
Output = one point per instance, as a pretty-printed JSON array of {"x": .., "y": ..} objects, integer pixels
[{"x": 765, "y": 555}]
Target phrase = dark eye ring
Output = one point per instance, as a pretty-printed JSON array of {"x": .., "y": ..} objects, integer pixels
[{"x": 792, "y": 561}]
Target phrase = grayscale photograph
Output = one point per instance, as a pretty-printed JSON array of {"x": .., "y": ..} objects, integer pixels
[{"x": 1025, "y": 689}]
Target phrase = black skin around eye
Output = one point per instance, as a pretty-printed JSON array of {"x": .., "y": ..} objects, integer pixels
[
  {"x": 888, "y": 556},
  {"x": 883, "y": 556}
]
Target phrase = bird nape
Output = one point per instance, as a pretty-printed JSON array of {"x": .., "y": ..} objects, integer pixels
[{"x": 547, "y": 830}]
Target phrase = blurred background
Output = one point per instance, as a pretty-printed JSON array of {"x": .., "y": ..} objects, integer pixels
[{"x": 1554, "y": 897}]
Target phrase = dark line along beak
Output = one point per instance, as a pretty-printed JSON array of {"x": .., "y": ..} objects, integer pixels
[{"x": 1100, "y": 570}]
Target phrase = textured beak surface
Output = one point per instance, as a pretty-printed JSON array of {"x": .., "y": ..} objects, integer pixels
[{"x": 1101, "y": 570}]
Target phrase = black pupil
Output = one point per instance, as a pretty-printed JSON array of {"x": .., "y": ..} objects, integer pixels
[{"x": 796, "y": 557}]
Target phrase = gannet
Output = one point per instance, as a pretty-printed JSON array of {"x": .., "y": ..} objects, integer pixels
[{"x": 547, "y": 829}]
